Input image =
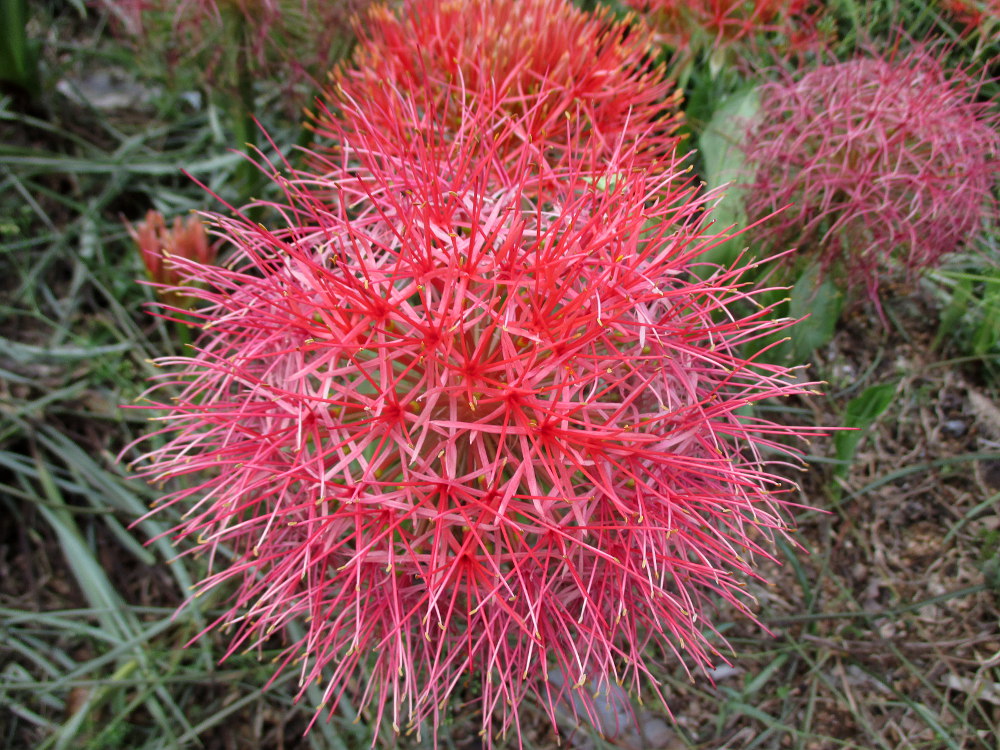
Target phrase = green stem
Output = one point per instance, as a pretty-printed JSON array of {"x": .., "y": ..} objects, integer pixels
[
  {"x": 242, "y": 105},
  {"x": 18, "y": 56},
  {"x": 246, "y": 129},
  {"x": 183, "y": 331}
]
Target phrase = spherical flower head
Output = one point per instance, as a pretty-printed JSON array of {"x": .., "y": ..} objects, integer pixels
[
  {"x": 562, "y": 74},
  {"x": 466, "y": 425},
  {"x": 888, "y": 164},
  {"x": 716, "y": 24}
]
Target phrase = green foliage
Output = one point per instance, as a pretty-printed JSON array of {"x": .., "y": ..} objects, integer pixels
[
  {"x": 862, "y": 412},
  {"x": 989, "y": 557},
  {"x": 723, "y": 167},
  {"x": 87, "y": 663},
  {"x": 991, "y": 572},
  {"x": 18, "y": 54},
  {"x": 970, "y": 319},
  {"x": 860, "y": 22},
  {"x": 813, "y": 301},
  {"x": 816, "y": 301}
]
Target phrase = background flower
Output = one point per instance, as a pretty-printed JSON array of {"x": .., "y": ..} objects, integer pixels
[
  {"x": 888, "y": 164},
  {"x": 160, "y": 248},
  {"x": 972, "y": 13},
  {"x": 559, "y": 73},
  {"x": 716, "y": 24}
]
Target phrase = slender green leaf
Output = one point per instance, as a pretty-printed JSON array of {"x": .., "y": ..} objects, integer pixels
[
  {"x": 862, "y": 411},
  {"x": 816, "y": 303},
  {"x": 723, "y": 162}
]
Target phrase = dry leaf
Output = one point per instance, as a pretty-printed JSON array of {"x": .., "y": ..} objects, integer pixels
[
  {"x": 987, "y": 414},
  {"x": 977, "y": 688}
]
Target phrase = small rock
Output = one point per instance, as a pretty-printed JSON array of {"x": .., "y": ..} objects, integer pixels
[
  {"x": 611, "y": 706},
  {"x": 109, "y": 89},
  {"x": 886, "y": 629},
  {"x": 656, "y": 732},
  {"x": 859, "y": 571},
  {"x": 987, "y": 414},
  {"x": 723, "y": 671},
  {"x": 954, "y": 427}
]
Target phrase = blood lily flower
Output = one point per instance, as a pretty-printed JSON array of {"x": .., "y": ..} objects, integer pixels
[
  {"x": 464, "y": 426},
  {"x": 715, "y": 24},
  {"x": 164, "y": 250},
  {"x": 888, "y": 164},
  {"x": 558, "y": 72}
]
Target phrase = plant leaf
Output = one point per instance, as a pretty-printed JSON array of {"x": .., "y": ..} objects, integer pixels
[
  {"x": 862, "y": 411},
  {"x": 817, "y": 302},
  {"x": 723, "y": 163}
]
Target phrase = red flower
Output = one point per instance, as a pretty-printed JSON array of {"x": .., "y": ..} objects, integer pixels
[
  {"x": 161, "y": 249},
  {"x": 560, "y": 74},
  {"x": 717, "y": 23},
  {"x": 973, "y": 14},
  {"x": 888, "y": 163},
  {"x": 464, "y": 425}
]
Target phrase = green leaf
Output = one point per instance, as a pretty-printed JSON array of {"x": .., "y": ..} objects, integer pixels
[
  {"x": 862, "y": 411},
  {"x": 958, "y": 307},
  {"x": 605, "y": 183},
  {"x": 755, "y": 684},
  {"x": 987, "y": 334},
  {"x": 722, "y": 157},
  {"x": 18, "y": 57},
  {"x": 818, "y": 303}
]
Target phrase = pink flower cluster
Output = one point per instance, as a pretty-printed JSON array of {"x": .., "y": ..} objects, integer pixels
[
  {"x": 887, "y": 163},
  {"x": 463, "y": 406}
]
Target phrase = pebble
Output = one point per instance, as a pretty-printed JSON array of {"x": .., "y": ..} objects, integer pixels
[
  {"x": 954, "y": 427},
  {"x": 656, "y": 732}
]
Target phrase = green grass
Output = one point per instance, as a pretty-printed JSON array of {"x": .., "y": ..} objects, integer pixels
[{"x": 93, "y": 654}]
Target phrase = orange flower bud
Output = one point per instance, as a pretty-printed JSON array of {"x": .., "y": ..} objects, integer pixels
[{"x": 159, "y": 246}]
